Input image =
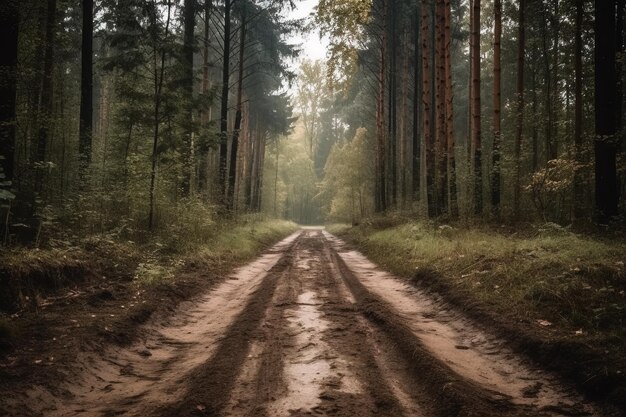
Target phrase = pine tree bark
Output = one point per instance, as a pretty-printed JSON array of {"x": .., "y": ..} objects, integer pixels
[
  {"x": 393, "y": 107},
  {"x": 619, "y": 108},
  {"x": 519, "y": 128},
  {"x": 605, "y": 144},
  {"x": 223, "y": 151},
  {"x": 47, "y": 99},
  {"x": 429, "y": 154},
  {"x": 404, "y": 97},
  {"x": 232, "y": 170},
  {"x": 440, "y": 111},
  {"x": 203, "y": 168},
  {"x": 86, "y": 90},
  {"x": 9, "y": 22},
  {"x": 579, "y": 191},
  {"x": 381, "y": 175},
  {"x": 497, "y": 107},
  {"x": 553, "y": 96},
  {"x": 476, "y": 111},
  {"x": 189, "y": 23},
  {"x": 453, "y": 208},
  {"x": 416, "y": 148},
  {"x": 159, "y": 79}
]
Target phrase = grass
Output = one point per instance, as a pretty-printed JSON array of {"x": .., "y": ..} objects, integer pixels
[
  {"x": 227, "y": 243},
  {"x": 545, "y": 275},
  {"x": 151, "y": 260}
]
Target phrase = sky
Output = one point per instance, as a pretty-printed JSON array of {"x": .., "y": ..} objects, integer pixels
[{"x": 313, "y": 47}]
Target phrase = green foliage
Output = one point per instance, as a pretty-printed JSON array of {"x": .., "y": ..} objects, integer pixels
[
  {"x": 348, "y": 179},
  {"x": 342, "y": 21},
  {"x": 552, "y": 183}
]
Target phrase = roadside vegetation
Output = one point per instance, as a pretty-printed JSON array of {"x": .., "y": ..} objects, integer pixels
[
  {"x": 558, "y": 295},
  {"x": 130, "y": 279}
]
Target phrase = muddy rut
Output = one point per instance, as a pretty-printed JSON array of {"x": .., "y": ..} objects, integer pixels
[{"x": 311, "y": 328}]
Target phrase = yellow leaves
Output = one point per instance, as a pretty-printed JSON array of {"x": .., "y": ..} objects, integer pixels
[{"x": 342, "y": 21}]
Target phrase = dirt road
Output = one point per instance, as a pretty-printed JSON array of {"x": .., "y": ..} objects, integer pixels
[{"x": 311, "y": 328}]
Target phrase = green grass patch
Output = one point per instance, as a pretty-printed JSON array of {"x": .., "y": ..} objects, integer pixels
[
  {"x": 228, "y": 243},
  {"x": 572, "y": 281}
]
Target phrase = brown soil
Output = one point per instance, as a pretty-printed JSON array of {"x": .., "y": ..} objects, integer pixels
[{"x": 311, "y": 328}]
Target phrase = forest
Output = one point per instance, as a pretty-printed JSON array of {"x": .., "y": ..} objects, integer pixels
[
  {"x": 237, "y": 163},
  {"x": 122, "y": 115}
]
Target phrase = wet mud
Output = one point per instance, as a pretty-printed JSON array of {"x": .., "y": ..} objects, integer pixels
[{"x": 311, "y": 328}]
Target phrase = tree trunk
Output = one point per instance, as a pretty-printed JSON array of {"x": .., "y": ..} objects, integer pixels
[
  {"x": 223, "y": 155},
  {"x": 426, "y": 115},
  {"x": 189, "y": 17},
  {"x": 579, "y": 191},
  {"x": 497, "y": 107},
  {"x": 159, "y": 78},
  {"x": 276, "y": 181},
  {"x": 232, "y": 171},
  {"x": 203, "y": 169},
  {"x": 416, "y": 155},
  {"x": 548, "y": 82},
  {"x": 381, "y": 176},
  {"x": 535, "y": 123},
  {"x": 605, "y": 145},
  {"x": 47, "y": 99},
  {"x": 554, "y": 100},
  {"x": 453, "y": 208},
  {"x": 519, "y": 128},
  {"x": 9, "y": 22},
  {"x": 476, "y": 111},
  {"x": 404, "y": 97},
  {"x": 86, "y": 90},
  {"x": 619, "y": 108},
  {"x": 440, "y": 110},
  {"x": 393, "y": 107}
]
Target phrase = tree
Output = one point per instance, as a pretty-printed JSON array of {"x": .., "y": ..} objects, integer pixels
[
  {"x": 47, "y": 99},
  {"x": 159, "y": 53},
  {"x": 429, "y": 160},
  {"x": 309, "y": 99},
  {"x": 9, "y": 19},
  {"x": 606, "y": 141},
  {"x": 521, "y": 52},
  {"x": 86, "y": 86},
  {"x": 579, "y": 195},
  {"x": 223, "y": 147},
  {"x": 238, "y": 114},
  {"x": 497, "y": 106},
  {"x": 451, "y": 157},
  {"x": 381, "y": 171},
  {"x": 416, "y": 148},
  {"x": 476, "y": 110},
  {"x": 189, "y": 16}
]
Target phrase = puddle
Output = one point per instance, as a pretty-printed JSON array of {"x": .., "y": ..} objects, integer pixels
[{"x": 307, "y": 364}]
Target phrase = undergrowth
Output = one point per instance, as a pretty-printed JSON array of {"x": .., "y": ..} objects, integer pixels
[
  {"x": 547, "y": 276},
  {"x": 227, "y": 242},
  {"x": 149, "y": 259}
]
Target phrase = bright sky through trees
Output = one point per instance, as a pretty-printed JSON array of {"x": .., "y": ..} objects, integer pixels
[{"x": 312, "y": 46}]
